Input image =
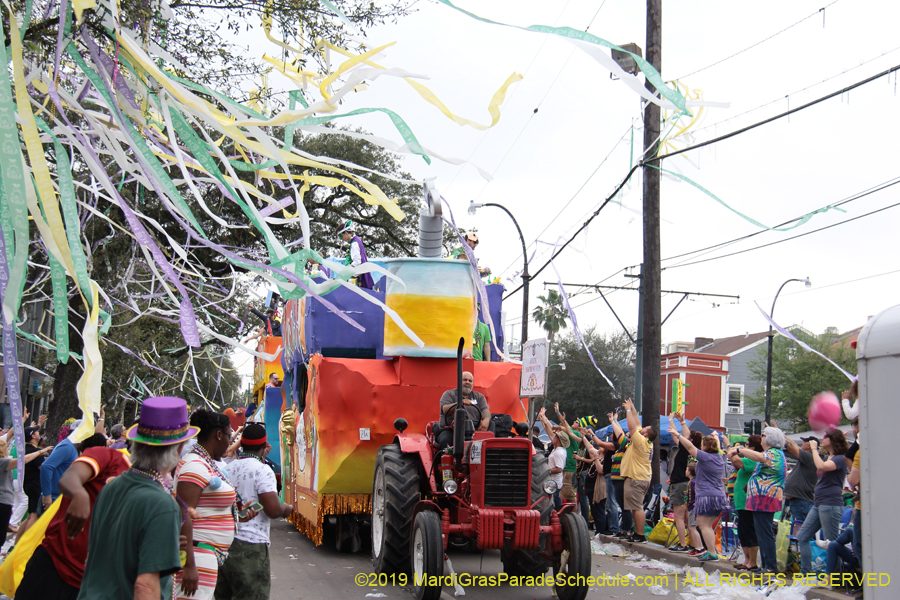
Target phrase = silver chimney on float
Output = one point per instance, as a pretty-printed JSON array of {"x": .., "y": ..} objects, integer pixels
[{"x": 431, "y": 226}]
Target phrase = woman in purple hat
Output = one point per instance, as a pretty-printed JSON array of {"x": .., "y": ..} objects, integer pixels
[{"x": 133, "y": 542}]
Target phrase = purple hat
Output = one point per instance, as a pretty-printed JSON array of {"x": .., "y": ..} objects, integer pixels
[{"x": 163, "y": 422}]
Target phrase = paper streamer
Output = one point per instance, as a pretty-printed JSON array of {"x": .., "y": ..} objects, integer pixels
[
  {"x": 562, "y": 291},
  {"x": 482, "y": 291},
  {"x": 801, "y": 221},
  {"x": 803, "y": 345}
]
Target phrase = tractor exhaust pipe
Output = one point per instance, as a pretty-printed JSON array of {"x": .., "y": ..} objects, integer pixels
[{"x": 459, "y": 418}]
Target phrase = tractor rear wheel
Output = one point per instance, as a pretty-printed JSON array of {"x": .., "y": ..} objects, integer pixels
[
  {"x": 395, "y": 492},
  {"x": 427, "y": 556},
  {"x": 530, "y": 563},
  {"x": 575, "y": 559}
]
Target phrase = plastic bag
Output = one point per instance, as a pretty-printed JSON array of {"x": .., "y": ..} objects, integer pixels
[
  {"x": 662, "y": 534},
  {"x": 782, "y": 544}
]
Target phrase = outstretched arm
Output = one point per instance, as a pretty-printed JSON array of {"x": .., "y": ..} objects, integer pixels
[
  {"x": 617, "y": 429},
  {"x": 634, "y": 423},
  {"x": 685, "y": 443}
]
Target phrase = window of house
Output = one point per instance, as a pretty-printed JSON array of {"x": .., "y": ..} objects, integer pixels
[{"x": 736, "y": 399}]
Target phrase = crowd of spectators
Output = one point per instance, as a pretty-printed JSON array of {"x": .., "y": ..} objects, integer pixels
[
  {"x": 173, "y": 507},
  {"x": 711, "y": 482}
]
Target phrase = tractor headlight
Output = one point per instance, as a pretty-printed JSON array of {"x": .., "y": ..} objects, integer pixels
[
  {"x": 550, "y": 487},
  {"x": 450, "y": 486}
]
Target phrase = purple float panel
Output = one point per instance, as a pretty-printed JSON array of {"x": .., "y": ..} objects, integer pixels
[
  {"x": 495, "y": 299},
  {"x": 329, "y": 335}
]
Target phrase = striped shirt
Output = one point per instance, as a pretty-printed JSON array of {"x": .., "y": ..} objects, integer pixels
[
  {"x": 616, "y": 472},
  {"x": 213, "y": 521}
]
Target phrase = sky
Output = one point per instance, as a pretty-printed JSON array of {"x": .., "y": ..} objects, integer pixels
[{"x": 568, "y": 134}]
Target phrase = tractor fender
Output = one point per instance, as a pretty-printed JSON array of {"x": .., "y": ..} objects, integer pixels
[
  {"x": 566, "y": 508},
  {"x": 416, "y": 443}
]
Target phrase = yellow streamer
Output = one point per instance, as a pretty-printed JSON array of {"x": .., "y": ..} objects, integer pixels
[{"x": 429, "y": 96}]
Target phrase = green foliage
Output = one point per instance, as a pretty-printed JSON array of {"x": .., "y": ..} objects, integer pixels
[
  {"x": 552, "y": 314},
  {"x": 580, "y": 389},
  {"x": 798, "y": 375},
  {"x": 201, "y": 35}
]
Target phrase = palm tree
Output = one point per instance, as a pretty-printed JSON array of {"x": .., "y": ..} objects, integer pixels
[{"x": 552, "y": 314}]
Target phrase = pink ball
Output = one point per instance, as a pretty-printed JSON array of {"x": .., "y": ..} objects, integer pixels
[{"x": 824, "y": 411}]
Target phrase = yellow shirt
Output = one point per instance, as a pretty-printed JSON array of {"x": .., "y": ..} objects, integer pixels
[
  {"x": 636, "y": 464},
  {"x": 857, "y": 465}
]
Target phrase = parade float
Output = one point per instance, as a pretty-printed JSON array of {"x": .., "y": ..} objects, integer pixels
[{"x": 343, "y": 387}]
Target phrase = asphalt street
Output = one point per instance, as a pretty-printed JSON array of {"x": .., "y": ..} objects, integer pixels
[{"x": 301, "y": 571}]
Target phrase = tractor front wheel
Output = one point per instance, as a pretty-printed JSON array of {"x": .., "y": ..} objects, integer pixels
[
  {"x": 395, "y": 492},
  {"x": 427, "y": 556},
  {"x": 575, "y": 558}
]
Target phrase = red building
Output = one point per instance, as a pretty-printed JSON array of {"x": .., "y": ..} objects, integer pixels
[{"x": 705, "y": 374}]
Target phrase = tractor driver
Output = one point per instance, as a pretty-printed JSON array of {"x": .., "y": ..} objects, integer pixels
[{"x": 476, "y": 410}]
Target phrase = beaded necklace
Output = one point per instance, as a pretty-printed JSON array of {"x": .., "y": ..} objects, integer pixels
[
  {"x": 242, "y": 454},
  {"x": 204, "y": 454},
  {"x": 155, "y": 475}
]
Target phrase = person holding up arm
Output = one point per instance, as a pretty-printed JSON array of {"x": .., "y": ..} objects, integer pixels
[
  {"x": 711, "y": 499},
  {"x": 636, "y": 469}
]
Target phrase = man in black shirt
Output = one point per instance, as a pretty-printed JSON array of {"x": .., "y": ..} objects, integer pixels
[{"x": 800, "y": 485}]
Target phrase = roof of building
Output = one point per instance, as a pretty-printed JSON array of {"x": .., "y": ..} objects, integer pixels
[{"x": 729, "y": 345}]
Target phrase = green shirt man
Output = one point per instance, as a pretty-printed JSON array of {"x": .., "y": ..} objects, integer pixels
[{"x": 481, "y": 342}]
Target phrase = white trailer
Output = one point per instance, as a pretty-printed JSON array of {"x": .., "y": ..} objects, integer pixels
[{"x": 878, "y": 356}]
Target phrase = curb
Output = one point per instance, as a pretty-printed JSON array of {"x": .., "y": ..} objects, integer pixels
[{"x": 657, "y": 552}]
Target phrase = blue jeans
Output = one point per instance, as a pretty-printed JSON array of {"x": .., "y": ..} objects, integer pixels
[
  {"x": 612, "y": 508},
  {"x": 857, "y": 536},
  {"x": 799, "y": 508},
  {"x": 838, "y": 550},
  {"x": 765, "y": 536},
  {"x": 627, "y": 517},
  {"x": 826, "y": 518},
  {"x": 584, "y": 503},
  {"x": 557, "y": 501}
]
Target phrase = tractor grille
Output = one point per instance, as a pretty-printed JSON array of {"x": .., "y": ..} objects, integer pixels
[{"x": 506, "y": 480}]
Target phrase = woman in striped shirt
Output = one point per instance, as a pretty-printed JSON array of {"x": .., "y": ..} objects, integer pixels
[{"x": 202, "y": 483}]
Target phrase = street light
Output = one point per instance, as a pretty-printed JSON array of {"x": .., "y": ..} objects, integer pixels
[
  {"x": 473, "y": 206},
  {"x": 808, "y": 284}
]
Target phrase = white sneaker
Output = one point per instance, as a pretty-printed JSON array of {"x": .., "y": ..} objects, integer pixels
[{"x": 823, "y": 544}]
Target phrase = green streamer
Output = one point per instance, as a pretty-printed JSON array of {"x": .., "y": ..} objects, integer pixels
[
  {"x": 801, "y": 221},
  {"x": 60, "y": 308},
  {"x": 652, "y": 75},
  {"x": 405, "y": 130},
  {"x": 14, "y": 182}
]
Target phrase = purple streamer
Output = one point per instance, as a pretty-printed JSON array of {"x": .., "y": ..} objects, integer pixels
[
  {"x": 11, "y": 368},
  {"x": 188, "y": 318}
]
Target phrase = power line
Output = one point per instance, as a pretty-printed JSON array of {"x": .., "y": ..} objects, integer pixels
[
  {"x": 852, "y": 198},
  {"x": 696, "y": 262},
  {"x": 807, "y": 88},
  {"x": 631, "y": 172},
  {"x": 718, "y": 62},
  {"x": 572, "y": 199}
]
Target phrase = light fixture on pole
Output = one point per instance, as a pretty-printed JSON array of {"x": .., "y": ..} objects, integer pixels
[
  {"x": 808, "y": 284},
  {"x": 473, "y": 206}
]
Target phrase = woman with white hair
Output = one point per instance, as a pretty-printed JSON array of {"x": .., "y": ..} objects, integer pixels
[{"x": 765, "y": 492}]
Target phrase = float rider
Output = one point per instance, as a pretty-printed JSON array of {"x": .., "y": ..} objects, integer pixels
[{"x": 357, "y": 254}]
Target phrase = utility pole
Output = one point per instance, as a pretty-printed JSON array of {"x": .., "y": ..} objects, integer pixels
[
  {"x": 639, "y": 342},
  {"x": 651, "y": 275}
]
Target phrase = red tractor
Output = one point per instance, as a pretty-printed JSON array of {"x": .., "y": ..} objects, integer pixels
[{"x": 491, "y": 492}]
